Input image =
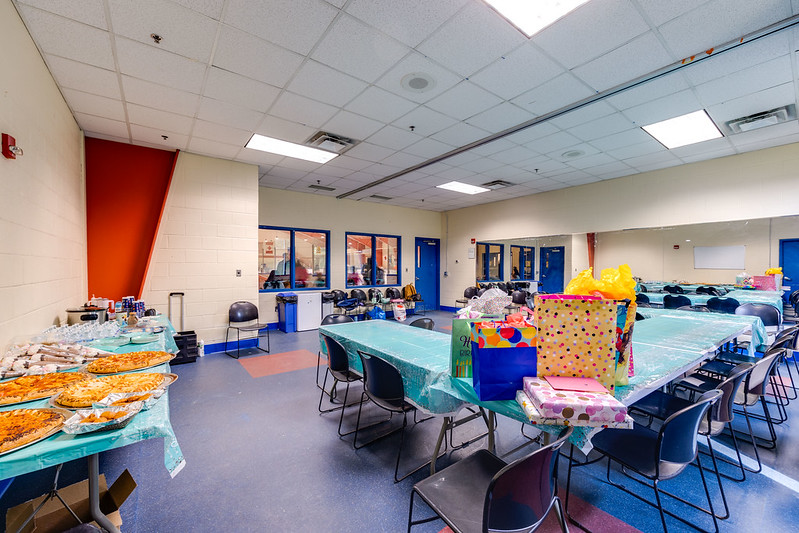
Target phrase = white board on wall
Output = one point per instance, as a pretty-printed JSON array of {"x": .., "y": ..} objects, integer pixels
[{"x": 720, "y": 257}]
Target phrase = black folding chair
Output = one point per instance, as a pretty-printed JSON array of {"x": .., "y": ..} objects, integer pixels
[{"x": 243, "y": 317}]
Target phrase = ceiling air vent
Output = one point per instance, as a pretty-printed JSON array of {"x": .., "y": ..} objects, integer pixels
[
  {"x": 378, "y": 197},
  {"x": 321, "y": 188},
  {"x": 330, "y": 142},
  {"x": 496, "y": 184},
  {"x": 761, "y": 120}
]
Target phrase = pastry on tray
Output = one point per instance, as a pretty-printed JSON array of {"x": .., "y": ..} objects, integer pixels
[
  {"x": 123, "y": 362},
  {"x": 85, "y": 393},
  {"x": 28, "y": 388},
  {"x": 19, "y": 427}
]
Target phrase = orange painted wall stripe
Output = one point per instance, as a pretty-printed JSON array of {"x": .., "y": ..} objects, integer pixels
[{"x": 126, "y": 188}]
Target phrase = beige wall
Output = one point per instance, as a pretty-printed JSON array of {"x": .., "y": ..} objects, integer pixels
[
  {"x": 42, "y": 193},
  {"x": 312, "y": 211},
  {"x": 207, "y": 232},
  {"x": 754, "y": 185}
]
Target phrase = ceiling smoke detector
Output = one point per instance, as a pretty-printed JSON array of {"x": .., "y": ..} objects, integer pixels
[
  {"x": 418, "y": 82},
  {"x": 761, "y": 120},
  {"x": 496, "y": 184},
  {"x": 330, "y": 142}
]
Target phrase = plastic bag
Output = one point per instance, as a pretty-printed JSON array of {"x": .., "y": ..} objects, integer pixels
[
  {"x": 615, "y": 284},
  {"x": 492, "y": 301},
  {"x": 399, "y": 310},
  {"x": 376, "y": 313}
]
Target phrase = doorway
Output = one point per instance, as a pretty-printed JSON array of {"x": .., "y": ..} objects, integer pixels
[
  {"x": 427, "y": 271},
  {"x": 552, "y": 262},
  {"x": 789, "y": 261}
]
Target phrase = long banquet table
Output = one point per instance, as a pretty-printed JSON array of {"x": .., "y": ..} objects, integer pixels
[
  {"x": 663, "y": 349},
  {"x": 772, "y": 298},
  {"x": 61, "y": 447}
]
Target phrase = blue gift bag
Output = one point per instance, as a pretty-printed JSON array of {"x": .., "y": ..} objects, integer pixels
[{"x": 497, "y": 373}]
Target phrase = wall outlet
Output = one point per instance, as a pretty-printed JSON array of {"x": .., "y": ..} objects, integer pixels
[{"x": 238, "y": 273}]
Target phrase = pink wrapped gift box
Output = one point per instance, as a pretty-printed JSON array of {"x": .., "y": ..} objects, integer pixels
[
  {"x": 535, "y": 418},
  {"x": 573, "y": 405}
]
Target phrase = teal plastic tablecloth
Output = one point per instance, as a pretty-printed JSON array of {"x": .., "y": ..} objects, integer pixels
[
  {"x": 772, "y": 298},
  {"x": 655, "y": 286},
  {"x": 165, "y": 342},
  {"x": 758, "y": 330}
]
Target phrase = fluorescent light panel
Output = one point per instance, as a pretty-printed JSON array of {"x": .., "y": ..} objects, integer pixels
[
  {"x": 298, "y": 151},
  {"x": 532, "y": 17},
  {"x": 462, "y": 187},
  {"x": 683, "y": 130}
]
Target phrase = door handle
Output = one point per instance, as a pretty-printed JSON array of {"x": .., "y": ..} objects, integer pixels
[{"x": 417, "y": 279}]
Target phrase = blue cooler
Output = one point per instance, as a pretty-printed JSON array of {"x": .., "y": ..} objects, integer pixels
[{"x": 287, "y": 312}]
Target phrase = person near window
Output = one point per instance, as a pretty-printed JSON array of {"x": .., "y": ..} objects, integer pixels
[
  {"x": 284, "y": 266},
  {"x": 515, "y": 273}
]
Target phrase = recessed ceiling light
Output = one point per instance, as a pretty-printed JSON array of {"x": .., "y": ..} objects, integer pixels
[
  {"x": 298, "y": 151},
  {"x": 418, "y": 82},
  {"x": 532, "y": 17},
  {"x": 683, "y": 130},
  {"x": 462, "y": 187}
]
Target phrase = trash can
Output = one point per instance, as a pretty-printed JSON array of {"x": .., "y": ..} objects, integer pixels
[
  {"x": 327, "y": 303},
  {"x": 287, "y": 312}
]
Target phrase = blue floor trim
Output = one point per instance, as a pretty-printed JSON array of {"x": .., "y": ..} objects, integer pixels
[{"x": 448, "y": 308}]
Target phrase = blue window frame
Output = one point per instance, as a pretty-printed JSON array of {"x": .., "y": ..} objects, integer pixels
[
  {"x": 373, "y": 260},
  {"x": 522, "y": 262},
  {"x": 489, "y": 264},
  {"x": 293, "y": 258}
]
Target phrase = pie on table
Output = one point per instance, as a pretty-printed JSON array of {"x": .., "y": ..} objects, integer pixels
[
  {"x": 87, "y": 392},
  {"x": 19, "y": 427},
  {"x": 123, "y": 362},
  {"x": 34, "y": 387}
]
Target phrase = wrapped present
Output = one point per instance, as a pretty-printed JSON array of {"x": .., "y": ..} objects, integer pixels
[
  {"x": 536, "y": 418},
  {"x": 576, "y": 337},
  {"x": 764, "y": 283},
  {"x": 501, "y": 356},
  {"x": 461, "y": 345},
  {"x": 585, "y": 406},
  {"x": 625, "y": 321}
]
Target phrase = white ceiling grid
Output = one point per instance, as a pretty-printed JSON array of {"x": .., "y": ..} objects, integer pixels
[{"x": 225, "y": 69}]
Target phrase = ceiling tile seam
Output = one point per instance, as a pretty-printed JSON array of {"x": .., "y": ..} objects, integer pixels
[
  {"x": 118, "y": 70},
  {"x": 598, "y": 96}
]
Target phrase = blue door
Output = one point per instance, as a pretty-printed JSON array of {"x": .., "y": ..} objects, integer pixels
[
  {"x": 552, "y": 268},
  {"x": 789, "y": 261},
  {"x": 426, "y": 283}
]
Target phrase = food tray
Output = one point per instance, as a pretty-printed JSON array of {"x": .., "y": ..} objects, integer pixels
[
  {"x": 80, "y": 368},
  {"x": 144, "y": 338},
  {"x": 155, "y": 395},
  {"x": 169, "y": 379},
  {"x": 73, "y": 425},
  {"x": 172, "y": 356},
  {"x": 64, "y": 412}
]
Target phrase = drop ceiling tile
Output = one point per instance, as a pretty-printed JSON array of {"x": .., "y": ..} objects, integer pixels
[
  {"x": 248, "y": 155},
  {"x": 352, "y": 125},
  {"x": 601, "y": 128},
  {"x": 554, "y": 94},
  {"x": 718, "y": 22},
  {"x": 154, "y": 118},
  {"x": 649, "y": 91},
  {"x": 381, "y": 170},
  {"x": 410, "y": 21},
  {"x": 553, "y": 142},
  {"x": 213, "y": 148},
  {"x": 425, "y": 121},
  {"x": 83, "y": 77},
  {"x": 642, "y": 55},
  {"x": 651, "y": 146},
  {"x": 210, "y": 131},
  {"x": 329, "y": 171},
  {"x": 89, "y": 12},
  {"x": 350, "y": 162},
  {"x": 663, "y": 108},
  {"x": 588, "y": 162},
  {"x": 183, "y": 31},
  {"x": 492, "y": 147},
  {"x": 601, "y": 27},
  {"x": 460, "y": 134},
  {"x": 297, "y": 108},
  {"x": 753, "y": 103},
  {"x": 275, "y": 182},
  {"x": 513, "y": 155},
  {"x": 414, "y": 64},
  {"x": 506, "y": 172},
  {"x": 67, "y": 38},
  {"x": 209, "y": 8},
  {"x": 578, "y": 117},
  {"x": 228, "y": 114},
  {"x": 160, "y": 97},
  {"x": 113, "y": 138},
  {"x": 623, "y": 138},
  {"x": 748, "y": 55},
  {"x": 381, "y": 105},
  {"x": 705, "y": 155},
  {"x": 463, "y": 158},
  {"x": 428, "y": 148},
  {"x": 326, "y": 85},
  {"x": 101, "y": 126},
  {"x": 369, "y": 152},
  {"x": 158, "y": 66},
  {"x": 576, "y": 181},
  {"x": 394, "y": 138},
  {"x": 659, "y": 12},
  {"x": 254, "y": 58},
  {"x": 463, "y": 101},
  {"x": 517, "y": 72},
  {"x": 472, "y": 39},
  {"x": 357, "y": 49},
  {"x": 658, "y": 165},
  {"x": 484, "y": 165},
  {"x": 234, "y": 89},
  {"x": 287, "y": 173},
  {"x": 532, "y": 133},
  {"x": 293, "y": 24},
  {"x": 174, "y": 141},
  {"x": 648, "y": 161},
  {"x": 285, "y": 129},
  {"x": 607, "y": 168},
  {"x": 751, "y": 80},
  {"x": 617, "y": 174},
  {"x": 403, "y": 160},
  {"x": 91, "y": 104}
]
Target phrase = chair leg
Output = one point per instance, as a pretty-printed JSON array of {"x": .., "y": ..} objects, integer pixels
[
  {"x": 657, "y": 498},
  {"x": 707, "y": 493},
  {"x": 561, "y": 515},
  {"x": 718, "y": 479},
  {"x": 412, "y": 522},
  {"x": 227, "y": 331}
]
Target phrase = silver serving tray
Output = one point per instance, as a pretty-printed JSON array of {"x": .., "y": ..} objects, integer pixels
[
  {"x": 169, "y": 379},
  {"x": 63, "y": 412}
]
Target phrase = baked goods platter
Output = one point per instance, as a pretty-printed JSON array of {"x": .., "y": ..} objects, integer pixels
[
  {"x": 85, "y": 394},
  {"x": 41, "y": 358},
  {"x": 22, "y": 427}
]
